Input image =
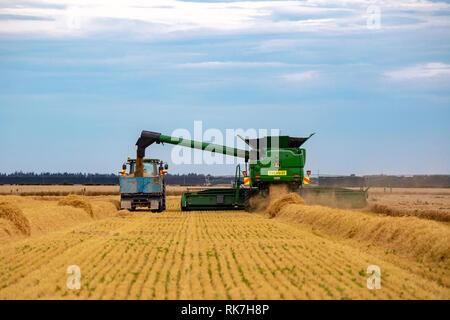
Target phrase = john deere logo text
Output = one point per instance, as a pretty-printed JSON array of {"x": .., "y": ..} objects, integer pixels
[{"x": 277, "y": 173}]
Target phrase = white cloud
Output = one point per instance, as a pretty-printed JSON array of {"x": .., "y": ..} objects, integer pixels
[
  {"x": 81, "y": 18},
  {"x": 300, "y": 76},
  {"x": 422, "y": 71},
  {"x": 231, "y": 64}
]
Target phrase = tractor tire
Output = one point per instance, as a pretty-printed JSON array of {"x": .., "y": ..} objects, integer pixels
[
  {"x": 162, "y": 206},
  {"x": 164, "y": 198}
]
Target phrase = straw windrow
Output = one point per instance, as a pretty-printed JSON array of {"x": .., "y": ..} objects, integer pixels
[
  {"x": 12, "y": 212},
  {"x": 419, "y": 238},
  {"x": 77, "y": 201}
]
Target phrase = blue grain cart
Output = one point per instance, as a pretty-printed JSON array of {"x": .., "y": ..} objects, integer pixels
[{"x": 147, "y": 191}]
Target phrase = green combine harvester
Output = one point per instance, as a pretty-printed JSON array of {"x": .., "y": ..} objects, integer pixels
[{"x": 271, "y": 160}]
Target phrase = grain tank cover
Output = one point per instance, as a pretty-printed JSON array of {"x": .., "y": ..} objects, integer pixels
[
  {"x": 296, "y": 142},
  {"x": 281, "y": 142}
]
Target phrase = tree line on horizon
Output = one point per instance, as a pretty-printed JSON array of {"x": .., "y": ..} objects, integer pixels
[{"x": 47, "y": 178}]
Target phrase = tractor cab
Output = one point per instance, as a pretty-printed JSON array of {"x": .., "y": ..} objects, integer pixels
[{"x": 153, "y": 167}]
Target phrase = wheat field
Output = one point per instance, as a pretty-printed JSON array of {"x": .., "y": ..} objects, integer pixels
[
  {"x": 427, "y": 203},
  {"x": 204, "y": 254}
]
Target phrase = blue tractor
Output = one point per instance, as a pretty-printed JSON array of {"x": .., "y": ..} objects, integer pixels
[{"x": 143, "y": 187}]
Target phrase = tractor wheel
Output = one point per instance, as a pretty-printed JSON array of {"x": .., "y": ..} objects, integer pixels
[
  {"x": 161, "y": 207},
  {"x": 164, "y": 198}
]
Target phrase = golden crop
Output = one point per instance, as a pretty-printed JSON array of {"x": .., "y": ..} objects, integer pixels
[
  {"x": 203, "y": 255},
  {"x": 428, "y": 203}
]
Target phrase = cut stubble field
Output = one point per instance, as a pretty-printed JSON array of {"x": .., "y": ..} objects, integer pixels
[{"x": 205, "y": 255}]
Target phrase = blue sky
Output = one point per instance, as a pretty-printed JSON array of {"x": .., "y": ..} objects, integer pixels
[{"x": 80, "y": 80}]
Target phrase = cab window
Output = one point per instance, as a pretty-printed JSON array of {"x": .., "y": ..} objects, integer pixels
[{"x": 150, "y": 168}]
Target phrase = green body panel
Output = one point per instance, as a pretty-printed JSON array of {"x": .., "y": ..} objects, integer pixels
[
  {"x": 332, "y": 197},
  {"x": 281, "y": 165},
  {"x": 214, "y": 199},
  {"x": 218, "y": 198}
]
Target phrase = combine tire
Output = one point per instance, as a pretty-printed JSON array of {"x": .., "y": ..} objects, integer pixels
[{"x": 247, "y": 196}]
